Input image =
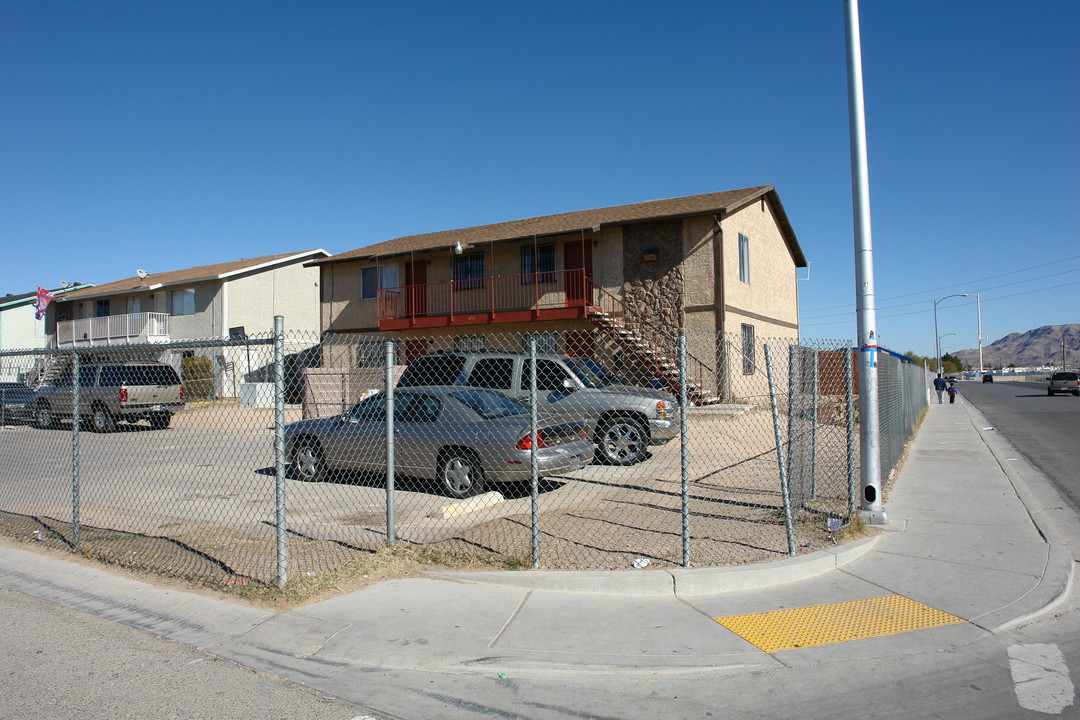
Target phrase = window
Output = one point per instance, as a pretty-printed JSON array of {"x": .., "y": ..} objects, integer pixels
[
  {"x": 377, "y": 277},
  {"x": 744, "y": 258},
  {"x": 537, "y": 264},
  {"x": 183, "y": 302},
  {"x": 134, "y": 304},
  {"x": 749, "y": 349},
  {"x": 492, "y": 373},
  {"x": 87, "y": 376},
  {"x": 546, "y": 342},
  {"x": 101, "y": 309},
  {"x": 470, "y": 343},
  {"x": 469, "y": 271},
  {"x": 549, "y": 375}
]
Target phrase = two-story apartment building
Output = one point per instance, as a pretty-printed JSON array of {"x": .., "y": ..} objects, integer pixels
[
  {"x": 194, "y": 303},
  {"x": 632, "y": 276}
]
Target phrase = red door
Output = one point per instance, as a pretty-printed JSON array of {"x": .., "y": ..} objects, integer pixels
[
  {"x": 416, "y": 290},
  {"x": 578, "y": 285}
]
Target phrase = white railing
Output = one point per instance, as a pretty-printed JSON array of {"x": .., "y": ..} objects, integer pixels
[{"x": 114, "y": 330}]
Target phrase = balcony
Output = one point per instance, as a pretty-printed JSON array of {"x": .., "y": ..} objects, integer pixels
[
  {"x": 552, "y": 295},
  {"x": 131, "y": 329}
]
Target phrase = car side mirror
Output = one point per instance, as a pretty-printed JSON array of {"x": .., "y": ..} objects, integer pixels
[{"x": 568, "y": 384}]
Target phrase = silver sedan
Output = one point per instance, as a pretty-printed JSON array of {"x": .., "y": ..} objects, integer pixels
[{"x": 461, "y": 437}]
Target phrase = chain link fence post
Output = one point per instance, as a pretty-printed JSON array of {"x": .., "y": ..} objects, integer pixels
[
  {"x": 76, "y": 421},
  {"x": 849, "y": 399},
  {"x": 282, "y": 575},
  {"x": 684, "y": 451},
  {"x": 780, "y": 451},
  {"x": 534, "y": 491},
  {"x": 391, "y": 515}
]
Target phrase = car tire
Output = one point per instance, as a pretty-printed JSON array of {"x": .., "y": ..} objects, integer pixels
[
  {"x": 43, "y": 417},
  {"x": 160, "y": 421},
  {"x": 101, "y": 420},
  {"x": 460, "y": 473},
  {"x": 308, "y": 463},
  {"x": 622, "y": 441},
  {"x": 1050, "y": 393}
]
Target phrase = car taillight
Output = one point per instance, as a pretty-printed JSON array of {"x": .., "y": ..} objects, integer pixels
[
  {"x": 525, "y": 443},
  {"x": 123, "y": 394},
  {"x": 181, "y": 392}
]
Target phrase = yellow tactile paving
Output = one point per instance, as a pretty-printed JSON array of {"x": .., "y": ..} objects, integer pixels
[{"x": 835, "y": 622}]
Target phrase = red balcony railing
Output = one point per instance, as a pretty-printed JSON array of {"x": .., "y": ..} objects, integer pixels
[{"x": 555, "y": 294}]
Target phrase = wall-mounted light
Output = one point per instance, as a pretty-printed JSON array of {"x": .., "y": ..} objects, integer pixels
[
  {"x": 458, "y": 249},
  {"x": 650, "y": 254}
]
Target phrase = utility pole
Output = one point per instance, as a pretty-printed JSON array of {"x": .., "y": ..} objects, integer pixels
[
  {"x": 869, "y": 430},
  {"x": 978, "y": 309}
]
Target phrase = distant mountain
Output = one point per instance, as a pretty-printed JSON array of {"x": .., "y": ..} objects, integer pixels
[{"x": 1033, "y": 348}]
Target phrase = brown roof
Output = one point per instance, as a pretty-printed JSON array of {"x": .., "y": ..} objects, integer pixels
[
  {"x": 710, "y": 203},
  {"x": 196, "y": 274}
]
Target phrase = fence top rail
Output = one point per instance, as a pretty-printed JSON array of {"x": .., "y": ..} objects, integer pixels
[{"x": 184, "y": 344}]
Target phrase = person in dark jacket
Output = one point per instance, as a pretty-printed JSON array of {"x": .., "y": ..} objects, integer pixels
[{"x": 939, "y": 387}]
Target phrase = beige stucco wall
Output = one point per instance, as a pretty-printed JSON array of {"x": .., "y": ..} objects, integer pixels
[
  {"x": 19, "y": 328},
  {"x": 292, "y": 291},
  {"x": 772, "y": 293}
]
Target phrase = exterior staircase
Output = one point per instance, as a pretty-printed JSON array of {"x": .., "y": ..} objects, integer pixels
[{"x": 655, "y": 348}]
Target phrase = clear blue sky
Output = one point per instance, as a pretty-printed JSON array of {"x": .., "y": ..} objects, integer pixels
[{"x": 167, "y": 135}]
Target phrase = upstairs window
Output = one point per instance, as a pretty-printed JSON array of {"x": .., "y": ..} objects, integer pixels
[
  {"x": 182, "y": 302},
  {"x": 744, "y": 258},
  {"x": 377, "y": 277},
  {"x": 537, "y": 264},
  {"x": 101, "y": 309},
  {"x": 469, "y": 271}
]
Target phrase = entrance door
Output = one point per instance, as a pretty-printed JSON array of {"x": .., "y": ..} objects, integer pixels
[
  {"x": 578, "y": 256},
  {"x": 416, "y": 288}
]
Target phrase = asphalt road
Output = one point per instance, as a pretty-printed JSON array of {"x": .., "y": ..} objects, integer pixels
[
  {"x": 1045, "y": 429},
  {"x": 59, "y": 663}
]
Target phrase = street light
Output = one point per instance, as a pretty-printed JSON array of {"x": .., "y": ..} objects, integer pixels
[{"x": 937, "y": 340}]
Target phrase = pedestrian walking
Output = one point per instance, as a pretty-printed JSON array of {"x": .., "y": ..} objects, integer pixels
[
  {"x": 952, "y": 393},
  {"x": 939, "y": 387}
]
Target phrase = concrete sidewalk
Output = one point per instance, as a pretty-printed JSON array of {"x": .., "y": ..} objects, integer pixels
[{"x": 977, "y": 541}]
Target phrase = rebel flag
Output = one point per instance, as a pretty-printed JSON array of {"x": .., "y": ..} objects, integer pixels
[{"x": 44, "y": 297}]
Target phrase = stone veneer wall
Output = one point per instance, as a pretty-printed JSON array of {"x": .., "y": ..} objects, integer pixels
[{"x": 653, "y": 291}]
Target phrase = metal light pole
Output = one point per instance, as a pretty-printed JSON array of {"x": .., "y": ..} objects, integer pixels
[
  {"x": 869, "y": 430},
  {"x": 937, "y": 340},
  {"x": 978, "y": 308}
]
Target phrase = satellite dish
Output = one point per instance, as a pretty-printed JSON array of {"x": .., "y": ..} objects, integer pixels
[
  {"x": 66, "y": 284},
  {"x": 142, "y": 274}
]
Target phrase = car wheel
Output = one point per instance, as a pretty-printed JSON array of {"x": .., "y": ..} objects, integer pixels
[
  {"x": 101, "y": 420},
  {"x": 160, "y": 421},
  {"x": 622, "y": 441},
  {"x": 1050, "y": 393},
  {"x": 460, "y": 473},
  {"x": 308, "y": 463},
  {"x": 43, "y": 417}
]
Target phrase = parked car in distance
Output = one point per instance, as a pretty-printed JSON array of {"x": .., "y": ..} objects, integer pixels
[
  {"x": 464, "y": 438},
  {"x": 624, "y": 420},
  {"x": 16, "y": 402},
  {"x": 109, "y": 392},
  {"x": 988, "y": 378},
  {"x": 1063, "y": 382}
]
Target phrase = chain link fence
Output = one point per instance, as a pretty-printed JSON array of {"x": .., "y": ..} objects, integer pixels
[{"x": 254, "y": 459}]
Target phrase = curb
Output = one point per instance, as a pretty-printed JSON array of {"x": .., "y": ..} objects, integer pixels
[{"x": 678, "y": 581}]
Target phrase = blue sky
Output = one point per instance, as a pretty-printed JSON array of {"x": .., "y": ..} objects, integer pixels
[{"x": 167, "y": 135}]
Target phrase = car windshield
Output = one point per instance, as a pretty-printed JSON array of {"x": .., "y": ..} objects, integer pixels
[
  {"x": 13, "y": 389},
  {"x": 488, "y": 404},
  {"x": 589, "y": 376},
  {"x": 1065, "y": 376}
]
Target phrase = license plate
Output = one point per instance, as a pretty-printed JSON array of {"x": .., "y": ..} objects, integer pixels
[{"x": 157, "y": 408}]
